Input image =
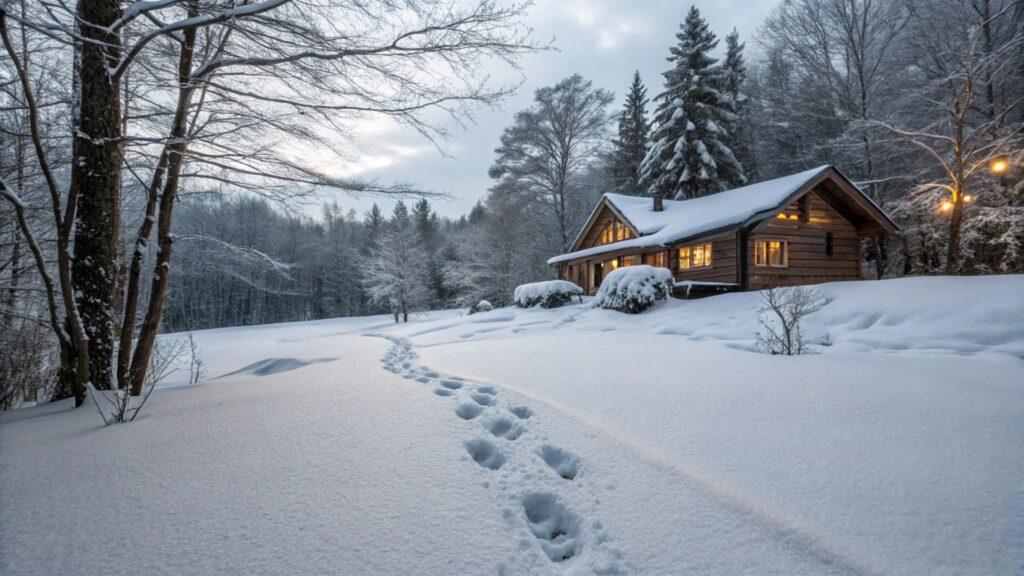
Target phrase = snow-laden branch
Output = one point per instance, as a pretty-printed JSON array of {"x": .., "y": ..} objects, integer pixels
[
  {"x": 194, "y": 22},
  {"x": 252, "y": 254}
]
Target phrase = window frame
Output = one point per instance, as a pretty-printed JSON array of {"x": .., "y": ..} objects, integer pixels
[
  {"x": 783, "y": 244},
  {"x": 656, "y": 259},
  {"x": 707, "y": 255}
]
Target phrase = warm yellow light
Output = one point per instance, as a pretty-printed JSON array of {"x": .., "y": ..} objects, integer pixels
[
  {"x": 999, "y": 166},
  {"x": 968, "y": 198},
  {"x": 946, "y": 206},
  {"x": 781, "y": 216}
]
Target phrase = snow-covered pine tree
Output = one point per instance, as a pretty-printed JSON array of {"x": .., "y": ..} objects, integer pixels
[
  {"x": 427, "y": 226},
  {"x": 631, "y": 145},
  {"x": 738, "y": 132},
  {"x": 374, "y": 222},
  {"x": 688, "y": 156}
]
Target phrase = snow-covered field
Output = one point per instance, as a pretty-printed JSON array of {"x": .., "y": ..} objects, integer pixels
[{"x": 573, "y": 440}]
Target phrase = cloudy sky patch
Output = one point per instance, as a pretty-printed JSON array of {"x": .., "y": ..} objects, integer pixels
[{"x": 604, "y": 40}]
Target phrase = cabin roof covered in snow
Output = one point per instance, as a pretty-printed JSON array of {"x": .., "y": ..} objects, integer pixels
[{"x": 686, "y": 219}]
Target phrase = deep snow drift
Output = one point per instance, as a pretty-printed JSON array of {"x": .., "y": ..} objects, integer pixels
[{"x": 573, "y": 440}]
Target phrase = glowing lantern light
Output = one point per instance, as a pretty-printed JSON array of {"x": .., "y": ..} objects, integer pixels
[
  {"x": 999, "y": 166},
  {"x": 946, "y": 206},
  {"x": 968, "y": 198}
]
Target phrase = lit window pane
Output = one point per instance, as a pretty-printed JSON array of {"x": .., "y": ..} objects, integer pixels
[
  {"x": 698, "y": 256},
  {"x": 707, "y": 254},
  {"x": 684, "y": 258},
  {"x": 775, "y": 253}
]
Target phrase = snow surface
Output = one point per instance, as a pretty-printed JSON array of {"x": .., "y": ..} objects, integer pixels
[
  {"x": 681, "y": 219},
  {"x": 567, "y": 441}
]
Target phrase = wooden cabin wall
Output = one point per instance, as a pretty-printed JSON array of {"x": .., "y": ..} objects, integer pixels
[
  {"x": 808, "y": 261},
  {"x": 723, "y": 260}
]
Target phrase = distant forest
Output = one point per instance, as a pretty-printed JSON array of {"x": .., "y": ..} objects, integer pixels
[
  {"x": 142, "y": 188},
  {"x": 880, "y": 89}
]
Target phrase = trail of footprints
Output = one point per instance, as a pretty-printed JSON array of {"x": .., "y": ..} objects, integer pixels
[{"x": 557, "y": 528}]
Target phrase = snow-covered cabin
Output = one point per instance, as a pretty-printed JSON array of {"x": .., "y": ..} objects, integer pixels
[{"x": 799, "y": 229}]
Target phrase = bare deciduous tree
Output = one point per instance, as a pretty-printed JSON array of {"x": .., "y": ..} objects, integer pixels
[
  {"x": 232, "y": 95},
  {"x": 782, "y": 310},
  {"x": 552, "y": 143},
  {"x": 964, "y": 130}
]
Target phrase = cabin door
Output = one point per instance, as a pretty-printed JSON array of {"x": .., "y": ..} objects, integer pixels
[{"x": 598, "y": 274}]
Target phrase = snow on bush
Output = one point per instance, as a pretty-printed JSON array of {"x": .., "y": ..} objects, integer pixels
[
  {"x": 550, "y": 294},
  {"x": 481, "y": 306},
  {"x": 634, "y": 289}
]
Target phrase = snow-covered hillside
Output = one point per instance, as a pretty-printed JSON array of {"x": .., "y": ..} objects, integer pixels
[{"x": 573, "y": 440}]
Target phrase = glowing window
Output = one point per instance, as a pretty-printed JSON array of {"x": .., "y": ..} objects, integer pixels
[
  {"x": 698, "y": 256},
  {"x": 684, "y": 258},
  {"x": 658, "y": 259},
  {"x": 772, "y": 253}
]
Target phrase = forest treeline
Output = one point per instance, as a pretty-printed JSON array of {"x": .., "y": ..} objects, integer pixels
[
  {"x": 880, "y": 89},
  {"x": 921, "y": 103}
]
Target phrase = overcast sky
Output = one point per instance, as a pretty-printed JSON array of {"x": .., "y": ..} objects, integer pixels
[{"x": 604, "y": 40}]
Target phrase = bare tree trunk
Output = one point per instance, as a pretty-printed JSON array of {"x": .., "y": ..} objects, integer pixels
[
  {"x": 131, "y": 295},
  {"x": 955, "y": 219},
  {"x": 175, "y": 158},
  {"x": 96, "y": 181}
]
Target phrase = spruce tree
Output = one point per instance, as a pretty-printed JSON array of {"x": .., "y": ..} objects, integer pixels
[
  {"x": 738, "y": 133},
  {"x": 428, "y": 226},
  {"x": 631, "y": 144},
  {"x": 688, "y": 157},
  {"x": 400, "y": 216},
  {"x": 426, "y": 223},
  {"x": 374, "y": 222}
]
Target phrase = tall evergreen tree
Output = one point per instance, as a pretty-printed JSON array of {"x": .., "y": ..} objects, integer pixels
[
  {"x": 631, "y": 144},
  {"x": 400, "y": 216},
  {"x": 738, "y": 132},
  {"x": 374, "y": 222},
  {"x": 689, "y": 157},
  {"x": 427, "y": 226},
  {"x": 425, "y": 220}
]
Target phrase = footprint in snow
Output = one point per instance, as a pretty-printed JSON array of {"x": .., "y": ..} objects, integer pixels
[
  {"x": 557, "y": 528},
  {"x": 483, "y": 399},
  {"x": 443, "y": 392},
  {"x": 486, "y": 390},
  {"x": 451, "y": 384},
  {"x": 521, "y": 412},
  {"x": 564, "y": 463},
  {"x": 485, "y": 453},
  {"x": 423, "y": 379},
  {"x": 468, "y": 411},
  {"x": 505, "y": 428}
]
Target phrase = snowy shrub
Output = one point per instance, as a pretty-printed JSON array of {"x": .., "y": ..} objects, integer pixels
[
  {"x": 780, "y": 314},
  {"x": 634, "y": 289},
  {"x": 481, "y": 306},
  {"x": 550, "y": 294}
]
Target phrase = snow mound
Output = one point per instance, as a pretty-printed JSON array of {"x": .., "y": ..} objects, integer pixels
[
  {"x": 270, "y": 366},
  {"x": 549, "y": 294},
  {"x": 634, "y": 289},
  {"x": 481, "y": 306}
]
